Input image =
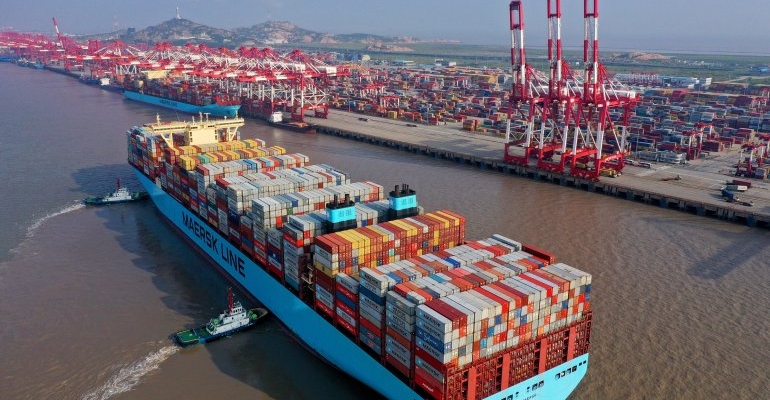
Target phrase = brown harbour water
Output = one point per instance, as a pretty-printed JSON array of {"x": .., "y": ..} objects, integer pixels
[{"x": 89, "y": 296}]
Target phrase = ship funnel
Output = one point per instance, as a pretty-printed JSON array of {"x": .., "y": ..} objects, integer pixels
[{"x": 403, "y": 203}]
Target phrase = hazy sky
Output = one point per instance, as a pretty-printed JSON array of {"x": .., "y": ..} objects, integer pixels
[{"x": 738, "y": 26}]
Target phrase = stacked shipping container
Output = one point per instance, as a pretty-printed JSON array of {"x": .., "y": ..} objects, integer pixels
[{"x": 444, "y": 313}]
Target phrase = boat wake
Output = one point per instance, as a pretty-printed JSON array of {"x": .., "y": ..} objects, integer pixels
[
  {"x": 37, "y": 224},
  {"x": 129, "y": 375},
  {"x": 33, "y": 228}
]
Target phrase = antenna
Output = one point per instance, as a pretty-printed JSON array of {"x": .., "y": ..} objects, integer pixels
[{"x": 230, "y": 299}]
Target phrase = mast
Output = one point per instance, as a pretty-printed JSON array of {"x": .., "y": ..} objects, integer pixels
[{"x": 229, "y": 300}]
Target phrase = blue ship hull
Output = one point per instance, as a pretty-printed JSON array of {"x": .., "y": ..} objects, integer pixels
[
  {"x": 314, "y": 331},
  {"x": 211, "y": 109}
]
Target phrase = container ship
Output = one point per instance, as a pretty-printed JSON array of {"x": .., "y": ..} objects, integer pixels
[
  {"x": 392, "y": 295},
  {"x": 189, "y": 98}
]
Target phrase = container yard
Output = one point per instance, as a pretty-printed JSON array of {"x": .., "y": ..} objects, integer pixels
[
  {"x": 698, "y": 190},
  {"x": 399, "y": 298},
  {"x": 607, "y": 125}
]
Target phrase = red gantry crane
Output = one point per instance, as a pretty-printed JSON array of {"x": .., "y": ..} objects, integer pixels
[
  {"x": 567, "y": 115},
  {"x": 553, "y": 102},
  {"x": 600, "y": 96},
  {"x": 529, "y": 91}
]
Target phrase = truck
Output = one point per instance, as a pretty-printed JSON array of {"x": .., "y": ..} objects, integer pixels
[{"x": 730, "y": 197}]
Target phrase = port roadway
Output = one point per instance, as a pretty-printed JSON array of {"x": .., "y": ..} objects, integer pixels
[{"x": 696, "y": 191}]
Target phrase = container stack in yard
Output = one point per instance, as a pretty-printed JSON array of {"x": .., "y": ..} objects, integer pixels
[{"x": 684, "y": 121}]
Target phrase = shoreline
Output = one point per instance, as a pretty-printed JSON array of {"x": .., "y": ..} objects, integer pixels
[{"x": 697, "y": 193}]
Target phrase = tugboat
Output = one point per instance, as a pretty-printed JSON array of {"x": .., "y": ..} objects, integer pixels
[
  {"x": 234, "y": 319},
  {"x": 120, "y": 195}
]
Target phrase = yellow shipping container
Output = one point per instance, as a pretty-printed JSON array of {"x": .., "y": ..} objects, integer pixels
[
  {"x": 330, "y": 272},
  {"x": 345, "y": 236},
  {"x": 384, "y": 233},
  {"x": 382, "y": 236},
  {"x": 234, "y": 155},
  {"x": 455, "y": 221},
  {"x": 367, "y": 241},
  {"x": 355, "y": 242},
  {"x": 187, "y": 150},
  {"x": 278, "y": 150},
  {"x": 410, "y": 230},
  {"x": 445, "y": 221},
  {"x": 187, "y": 162}
]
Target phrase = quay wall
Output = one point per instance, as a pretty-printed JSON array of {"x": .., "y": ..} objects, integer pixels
[{"x": 675, "y": 201}]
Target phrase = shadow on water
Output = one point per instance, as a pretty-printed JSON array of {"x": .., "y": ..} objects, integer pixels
[
  {"x": 101, "y": 180},
  {"x": 728, "y": 258},
  {"x": 266, "y": 357},
  {"x": 740, "y": 247}
]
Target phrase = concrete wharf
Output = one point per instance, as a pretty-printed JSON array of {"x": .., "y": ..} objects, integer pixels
[{"x": 697, "y": 191}]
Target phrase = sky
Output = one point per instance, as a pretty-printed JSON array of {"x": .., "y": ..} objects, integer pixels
[{"x": 738, "y": 26}]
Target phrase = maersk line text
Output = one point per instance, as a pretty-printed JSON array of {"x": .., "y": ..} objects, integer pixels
[{"x": 211, "y": 240}]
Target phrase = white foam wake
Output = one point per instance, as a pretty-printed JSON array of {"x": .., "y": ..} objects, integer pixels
[
  {"x": 129, "y": 375},
  {"x": 35, "y": 225}
]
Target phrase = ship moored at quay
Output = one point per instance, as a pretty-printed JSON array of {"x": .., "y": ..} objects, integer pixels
[
  {"x": 392, "y": 295},
  {"x": 179, "y": 96}
]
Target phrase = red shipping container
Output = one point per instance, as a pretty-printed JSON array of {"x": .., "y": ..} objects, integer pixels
[
  {"x": 325, "y": 282},
  {"x": 429, "y": 384},
  {"x": 347, "y": 293},
  {"x": 406, "y": 342},
  {"x": 371, "y": 327},
  {"x": 324, "y": 309},
  {"x": 539, "y": 253},
  {"x": 345, "y": 325}
]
